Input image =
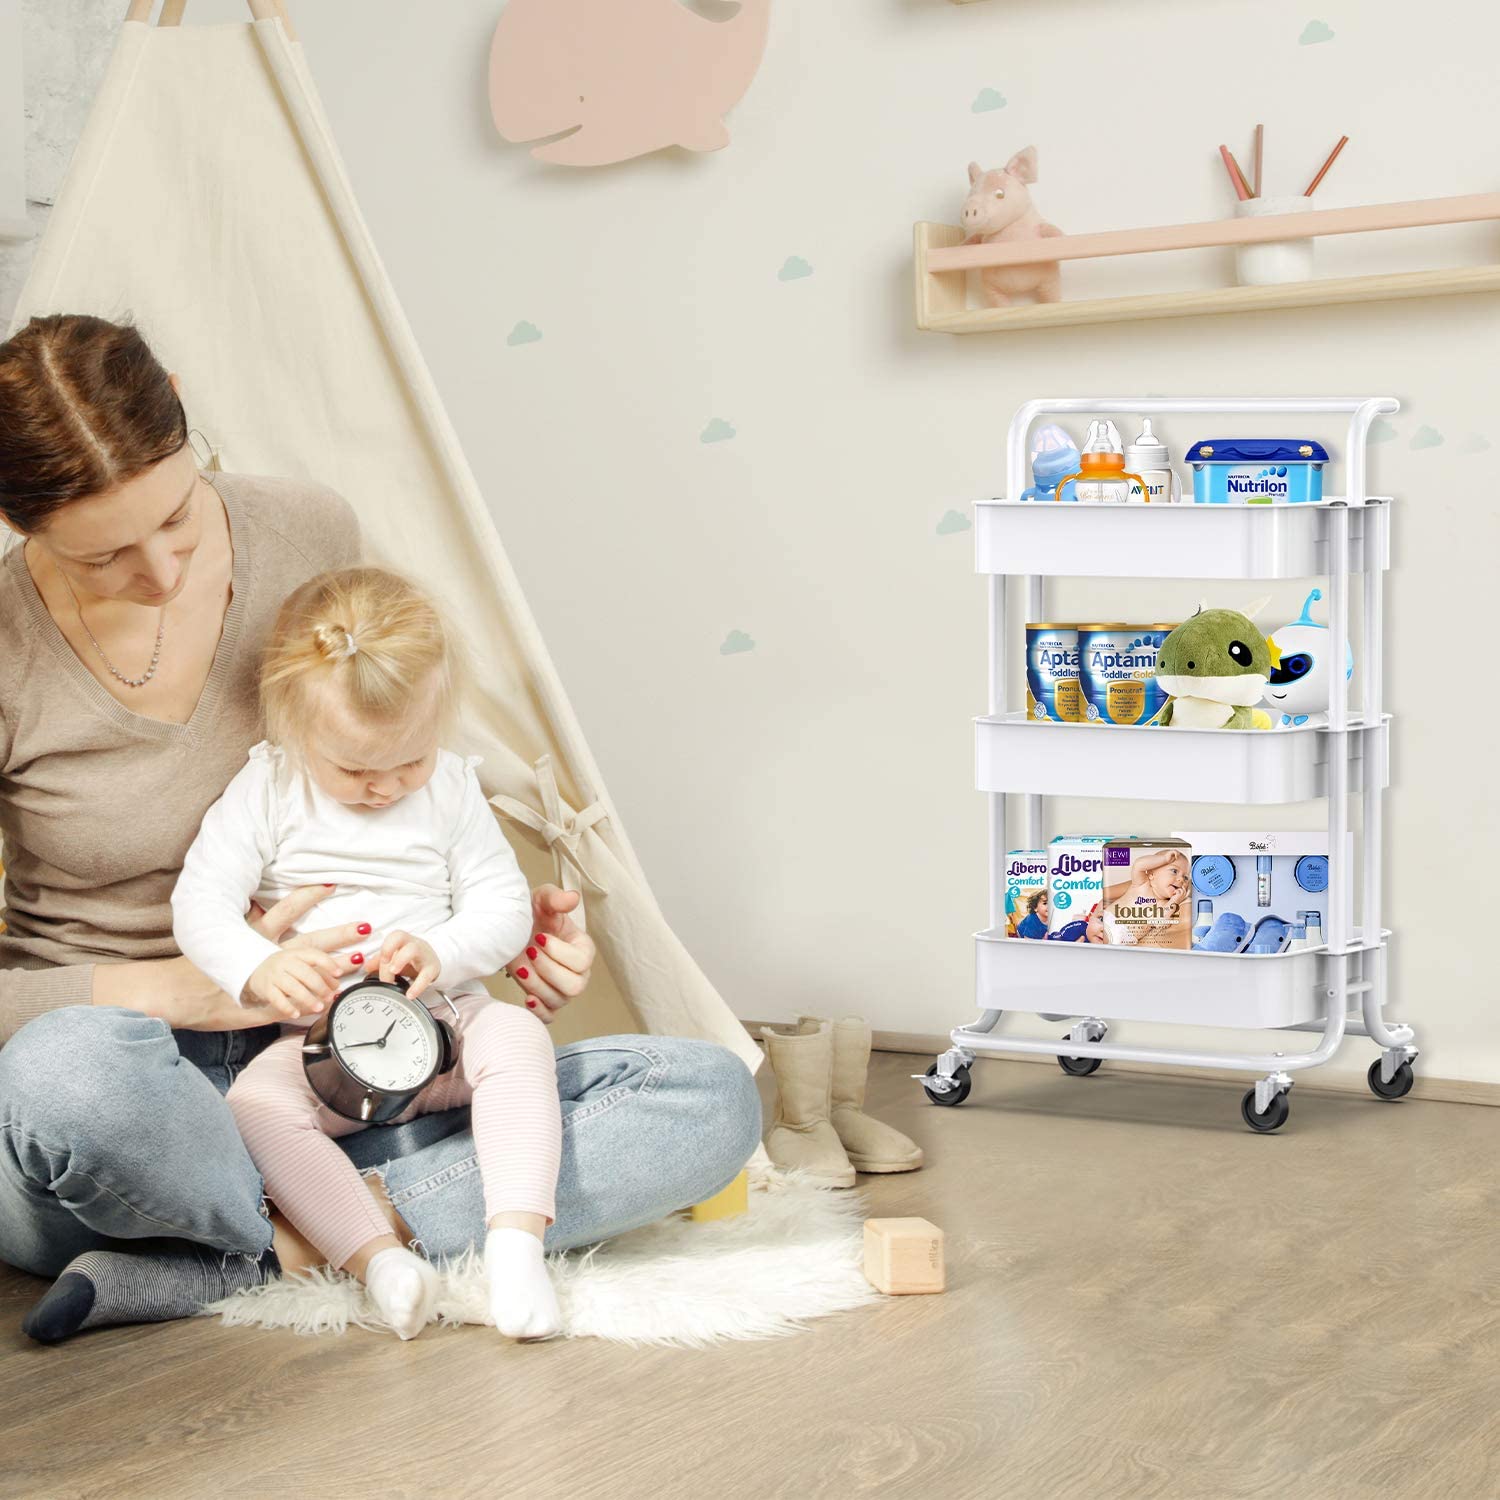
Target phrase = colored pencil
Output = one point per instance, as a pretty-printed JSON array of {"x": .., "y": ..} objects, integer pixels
[
  {"x": 1323, "y": 170},
  {"x": 1259, "y": 162},
  {"x": 1237, "y": 177}
]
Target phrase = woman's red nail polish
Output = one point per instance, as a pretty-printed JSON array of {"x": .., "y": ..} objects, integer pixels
[
  {"x": 363, "y": 929},
  {"x": 523, "y": 974},
  {"x": 356, "y": 958},
  {"x": 541, "y": 940},
  {"x": 531, "y": 1005},
  {"x": 531, "y": 953},
  {"x": 327, "y": 885}
]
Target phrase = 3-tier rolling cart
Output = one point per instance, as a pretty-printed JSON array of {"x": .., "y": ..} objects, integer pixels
[{"x": 1337, "y": 989}]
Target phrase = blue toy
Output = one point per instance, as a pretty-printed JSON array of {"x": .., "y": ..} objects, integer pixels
[{"x": 1297, "y": 694}]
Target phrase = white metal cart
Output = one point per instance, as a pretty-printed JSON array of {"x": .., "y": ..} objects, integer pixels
[{"x": 1019, "y": 545}]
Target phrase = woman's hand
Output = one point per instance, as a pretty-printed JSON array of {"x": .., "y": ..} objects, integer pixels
[
  {"x": 555, "y": 966},
  {"x": 174, "y": 991}
]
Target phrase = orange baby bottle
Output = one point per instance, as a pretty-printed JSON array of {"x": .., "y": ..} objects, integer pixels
[{"x": 1102, "y": 478}]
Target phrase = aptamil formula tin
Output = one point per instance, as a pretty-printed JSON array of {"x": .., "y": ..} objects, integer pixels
[
  {"x": 1117, "y": 668},
  {"x": 1257, "y": 471},
  {"x": 1052, "y": 691}
]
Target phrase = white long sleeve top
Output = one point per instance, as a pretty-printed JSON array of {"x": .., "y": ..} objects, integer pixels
[{"x": 434, "y": 864}]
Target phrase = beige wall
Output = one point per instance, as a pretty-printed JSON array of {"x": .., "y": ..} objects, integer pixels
[{"x": 805, "y": 807}]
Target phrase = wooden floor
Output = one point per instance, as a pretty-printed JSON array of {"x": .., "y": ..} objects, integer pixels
[{"x": 1146, "y": 1300}]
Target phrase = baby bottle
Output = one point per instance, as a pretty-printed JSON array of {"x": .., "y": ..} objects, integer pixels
[
  {"x": 1149, "y": 458},
  {"x": 1101, "y": 474},
  {"x": 1053, "y": 454}
]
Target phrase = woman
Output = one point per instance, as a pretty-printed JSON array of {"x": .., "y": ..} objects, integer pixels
[{"x": 134, "y": 601}]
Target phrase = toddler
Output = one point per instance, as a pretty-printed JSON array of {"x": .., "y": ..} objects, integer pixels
[{"x": 352, "y": 791}]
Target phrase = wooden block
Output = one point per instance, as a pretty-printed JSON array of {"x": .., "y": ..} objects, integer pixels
[
  {"x": 728, "y": 1204},
  {"x": 903, "y": 1256}
]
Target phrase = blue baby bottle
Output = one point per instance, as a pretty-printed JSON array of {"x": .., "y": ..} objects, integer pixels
[{"x": 1053, "y": 454}]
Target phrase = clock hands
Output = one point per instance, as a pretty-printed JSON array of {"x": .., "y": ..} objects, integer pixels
[{"x": 378, "y": 1041}]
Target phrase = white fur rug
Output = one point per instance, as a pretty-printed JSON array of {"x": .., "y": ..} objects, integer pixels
[{"x": 798, "y": 1254}]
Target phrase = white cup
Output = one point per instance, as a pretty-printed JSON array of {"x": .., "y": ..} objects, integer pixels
[{"x": 1271, "y": 261}]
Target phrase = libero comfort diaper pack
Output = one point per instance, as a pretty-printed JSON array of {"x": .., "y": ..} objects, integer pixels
[
  {"x": 1117, "y": 671},
  {"x": 1026, "y": 906},
  {"x": 1075, "y": 889},
  {"x": 1148, "y": 893}
]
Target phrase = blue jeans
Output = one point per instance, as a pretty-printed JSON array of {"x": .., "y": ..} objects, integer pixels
[{"x": 114, "y": 1128}]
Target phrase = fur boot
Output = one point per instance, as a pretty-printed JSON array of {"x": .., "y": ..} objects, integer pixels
[{"x": 801, "y": 1135}]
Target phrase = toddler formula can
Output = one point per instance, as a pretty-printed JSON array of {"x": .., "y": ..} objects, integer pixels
[
  {"x": 1075, "y": 890},
  {"x": 1026, "y": 909},
  {"x": 1052, "y": 691},
  {"x": 1252, "y": 471},
  {"x": 1117, "y": 670}
]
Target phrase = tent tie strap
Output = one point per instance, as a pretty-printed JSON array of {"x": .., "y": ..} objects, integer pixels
[{"x": 560, "y": 827}]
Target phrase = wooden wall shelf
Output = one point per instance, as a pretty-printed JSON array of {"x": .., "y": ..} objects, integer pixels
[{"x": 941, "y": 259}]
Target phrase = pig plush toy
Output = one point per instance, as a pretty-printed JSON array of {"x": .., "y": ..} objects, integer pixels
[{"x": 999, "y": 209}]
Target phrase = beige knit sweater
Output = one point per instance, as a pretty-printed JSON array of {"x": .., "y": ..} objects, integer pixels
[{"x": 97, "y": 804}]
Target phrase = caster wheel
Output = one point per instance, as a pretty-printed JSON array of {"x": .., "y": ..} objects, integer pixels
[
  {"x": 1273, "y": 1119},
  {"x": 953, "y": 1095},
  {"x": 1079, "y": 1067},
  {"x": 1399, "y": 1086}
]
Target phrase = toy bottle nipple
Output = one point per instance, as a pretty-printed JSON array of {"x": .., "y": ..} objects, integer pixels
[
  {"x": 1101, "y": 476},
  {"x": 1053, "y": 454}
]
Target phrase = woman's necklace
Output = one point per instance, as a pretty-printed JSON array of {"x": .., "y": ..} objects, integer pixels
[{"x": 135, "y": 682}]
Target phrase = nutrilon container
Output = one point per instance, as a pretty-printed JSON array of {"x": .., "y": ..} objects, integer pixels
[{"x": 1257, "y": 471}]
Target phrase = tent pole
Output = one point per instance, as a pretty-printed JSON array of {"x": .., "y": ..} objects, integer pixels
[
  {"x": 140, "y": 10},
  {"x": 171, "y": 12},
  {"x": 274, "y": 10}
]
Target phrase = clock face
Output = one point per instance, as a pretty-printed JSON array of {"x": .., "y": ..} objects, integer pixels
[{"x": 387, "y": 1041}]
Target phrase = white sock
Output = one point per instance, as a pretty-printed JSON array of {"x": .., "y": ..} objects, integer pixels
[
  {"x": 405, "y": 1289},
  {"x": 522, "y": 1301}
]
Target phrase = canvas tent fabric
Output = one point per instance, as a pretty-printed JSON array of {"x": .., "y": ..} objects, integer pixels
[{"x": 207, "y": 202}]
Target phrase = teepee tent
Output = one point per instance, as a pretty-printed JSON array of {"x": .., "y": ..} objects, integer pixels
[{"x": 207, "y": 202}]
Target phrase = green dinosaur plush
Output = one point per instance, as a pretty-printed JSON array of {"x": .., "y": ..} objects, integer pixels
[{"x": 1215, "y": 668}]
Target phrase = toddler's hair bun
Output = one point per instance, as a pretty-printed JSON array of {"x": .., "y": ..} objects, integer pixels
[{"x": 334, "y": 642}]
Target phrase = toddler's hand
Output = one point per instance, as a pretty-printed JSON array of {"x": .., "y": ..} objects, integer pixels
[
  {"x": 295, "y": 981},
  {"x": 401, "y": 953}
]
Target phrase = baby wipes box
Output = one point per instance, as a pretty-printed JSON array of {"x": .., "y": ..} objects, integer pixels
[
  {"x": 1252, "y": 891},
  {"x": 1148, "y": 891},
  {"x": 1026, "y": 907},
  {"x": 1075, "y": 889},
  {"x": 1256, "y": 471}
]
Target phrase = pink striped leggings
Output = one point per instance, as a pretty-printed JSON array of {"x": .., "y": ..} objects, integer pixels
[{"x": 506, "y": 1069}]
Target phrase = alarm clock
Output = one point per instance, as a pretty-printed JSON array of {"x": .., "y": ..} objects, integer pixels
[{"x": 375, "y": 1049}]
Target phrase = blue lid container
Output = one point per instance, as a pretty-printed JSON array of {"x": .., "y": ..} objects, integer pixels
[{"x": 1257, "y": 471}]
